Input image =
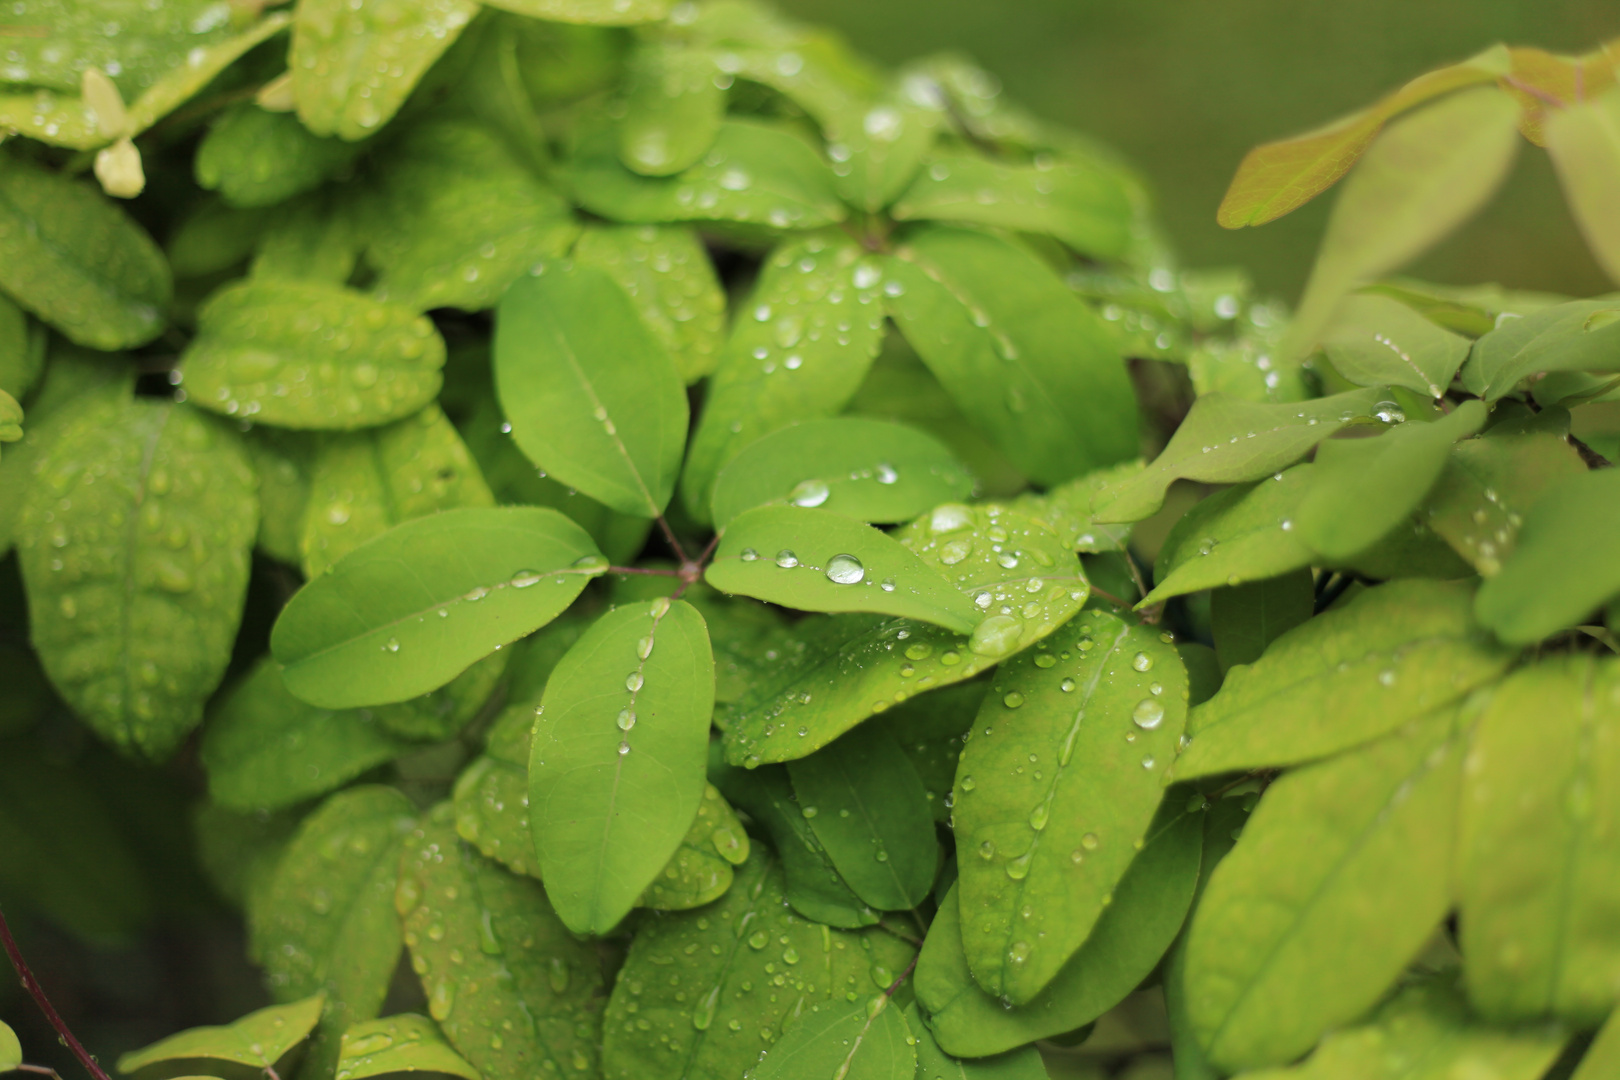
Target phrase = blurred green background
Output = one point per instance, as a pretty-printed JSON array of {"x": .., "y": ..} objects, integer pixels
[{"x": 1185, "y": 87}]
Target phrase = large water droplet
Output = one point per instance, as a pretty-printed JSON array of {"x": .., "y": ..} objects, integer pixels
[
  {"x": 809, "y": 493},
  {"x": 524, "y": 578},
  {"x": 996, "y": 636},
  {"x": 786, "y": 559},
  {"x": 1037, "y": 817},
  {"x": 627, "y": 719},
  {"x": 1013, "y": 699},
  {"x": 845, "y": 570},
  {"x": 1148, "y": 714},
  {"x": 1142, "y": 662},
  {"x": 633, "y": 681}
]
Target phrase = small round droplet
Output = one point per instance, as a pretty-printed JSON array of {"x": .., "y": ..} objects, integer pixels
[
  {"x": 748, "y": 555},
  {"x": 987, "y": 850},
  {"x": 627, "y": 719},
  {"x": 786, "y": 559},
  {"x": 1013, "y": 699},
  {"x": 1067, "y": 686},
  {"x": 845, "y": 570},
  {"x": 1090, "y": 841},
  {"x": 633, "y": 681}
]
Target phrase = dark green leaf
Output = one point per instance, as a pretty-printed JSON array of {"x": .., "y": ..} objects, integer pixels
[
  {"x": 257, "y": 158},
  {"x": 1576, "y": 336},
  {"x": 932, "y": 730},
  {"x": 259, "y": 1039},
  {"x": 281, "y": 463},
  {"x": 1246, "y": 618},
  {"x": 238, "y": 853},
  {"x": 863, "y": 1040},
  {"x": 672, "y": 109},
  {"x": 1602, "y": 1058},
  {"x": 399, "y": 1044},
  {"x": 22, "y": 351},
  {"x": 934, "y": 1064},
  {"x": 1376, "y": 341},
  {"x": 440, "y": 714}
]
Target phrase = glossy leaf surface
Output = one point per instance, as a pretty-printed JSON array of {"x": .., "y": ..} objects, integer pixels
[
  {"x": 1580, "y": 335},
  {"x": 934, "y": 1063},
  {"x": 259, "y": 1039},
  {"x": 1377, "y": 341},
  {"x": 859, "y": 1041},
  {"x": 1243, "y": 534},
  {"x": 399, "y": 1044},
  {"x": 1066, "y": 510}
]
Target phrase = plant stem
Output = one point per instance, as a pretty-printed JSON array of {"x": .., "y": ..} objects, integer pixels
[
  {"x": 669, "y": 535},
  {"x": 37, "y": 992},
  {"x": 904, "y": 975},
  {"x": 655, "y": 571}
]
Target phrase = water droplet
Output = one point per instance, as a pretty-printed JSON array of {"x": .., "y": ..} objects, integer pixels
[
  {"x": 557, "y": 974},
  {"x": 950, "y": 517},
  {"x": 1142, "y": 662},
  {"x": 748, "y": 555},
  {"x": 955, "y": 551},
  {"x": 1013, "y": 700},
  {"x": 996, "y": 636},
  {"x": 759, "y": 939},
  {"x": 1147, "y": 762},
  {"x": 968, "y": 783},
  {"x": 475, "y": 594},
  {"x": 1148, "y": 714},
  {"x": 1037, "y": 817},
  {"x": 809, "y": 493},
  {"x": 703, "y": 1015},
  {"x": 633, "y": 681},
  {"x": 392, "y": 645},
  {"x": 644, "y": 647},
  {"x": 1018, "y": 869},
  {"x": 1090, "y": 841},
  {"x": 919, "y": 651},
  {"x": 786, "y": 559},
  {"x": 524, "y": 578},
  {"x": 1045, "y": 660},
  {"x": 845, "y": 570},
  {"x": 627, "y": 719},
  {"x": 442, "y": 1000},
  {"x": 885, "y": 473},
  {"x": 987, "y": 850},
  {"x": 887, "y": 585},
  {"x": 1067, "y": 686}
]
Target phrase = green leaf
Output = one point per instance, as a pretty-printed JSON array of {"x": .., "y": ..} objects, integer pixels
[
  {"x": 1227, "y": 441},
  {"x": 311, "y": 355},
  {"x": 597, "y": 12},
  {"x": 1388, "y": 656},
  {"x": 673, "y": 109},
  {"x": 406, "y": 612},
  {"x": 1376, "y": 341},
  {"x": 11, "y": 419},
  {"x": 1577, "y": 336},
  {"x": 934, "y": 1064},
  {"x": 869, "y": 470},
  {"x": 1340, "y": 877},
  {"x": 798, "y": 352},
  {"x": 867, "y": 806},
  {"x": 835, "y": 564},
  {"x": 11, "y": 1054},
  {"x": 399, "y": 1044},
  {"x": 1536, "y": 840},
  {"x": 863, "y": 1040},
  {"x": 1128, "y": 940},
  {"x": 364, "y": 483},
  {"x": 265, "y": 749},
  {"x": 78, "y": 262},
  {"x": 755, "y": 172},
  {"x": 440, "y": 714},
  {"x": 697, "y": 995},
  {"x": 931, "y": 730},
  {"x": 238, "y": 853},
  {"x": 875, "y": 159},
  {"x": 257, "y": 158},
  {"x": 1602, "y": 1058},
  {"x": 1363, "y": 488},
  {"x": 1471, "y": 310},
  {"x": 453, "y": 217},
  {"x": 1019, "y": 353},
  {"x": 1066, "y": 510},
  {"x": 326, "y": 920},
  {"x": 316, "y": 238},
  {"x": 53, "y": 118},
  {"x": 616, "y": 767},
  {"x": 667, "y": 268},
  {"x": 1092, "y": 718},
  {"x": 22, "y": 351},
  {"x": 259, "y": 1039},
  {"x": 511, "y": 989},
  {"x": 1563, "y": 567},
  {"x": 1244, "y": 619},
  {"x": 831, "y": 672},
  {"x": 1073, "y": 200},
  {"x": 353, "y": 67},
  {"x": 185, "y": 81},
  {"x": 1583, "y": 140},
  {"x": 134, "y": 542},
  {"x": 281, "y": 463},
  {"x": 1424, "y": 176},
  {"x": 591, "y": 392},
  {"x": 702, "y": 868}
]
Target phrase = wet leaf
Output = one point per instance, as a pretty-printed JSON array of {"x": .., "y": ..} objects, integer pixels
[
  {"x": 257, "y": 158},
  {"x": 1245, "y": 619},
  {"x": 673, "y": 109},
  {"x": 316, "y": 238},
  {"x": 599, "y": 12},
  {"x": 799, "y": 351},
  {"x": 281, "y": 463},
  {"x": 864, "y": 1040},
  {"x": 934, "y": 1064},
  {"x": 932, "y": 730},
  {"x": 831, "y": 672},
  {"x": 1580, "y": 335},
  {"x": 700, "y": 994},
  {"x": 512, "y": 990},
  {"x": 259, "y": 1039},
  {"x": 1066, "y": 510},
  {"x": 1227, "y": 441},
  {"x": 1386, "y": 657},
  {"x": 1583, "y": 141},
  {"x": 77, "y": 261},
  {"x": 1376, "y": 341},
  {"x": 869, "y": 470},
  {"x": 265, "y": 749},
  {"x": 134, "y": 543},
  {"x": 1535, "y": 843},
  {"x": 399, "y": 1044},
  {"x": 352, "y": 67},
  {"x": 1054, "y": 791},
  {"x": 702, "y": 868},
  {"x": 262, "y": 353},
  {"x": 617, "y": 762},
  {"x": 1019, "y": 353},
  {"x": 591, "y": 392},
  {"x": 185, "y": 81},
  {"x": 406, "y": 612},
  {"x": 876, "y": 157},
  {"x": 1342, "y": 874}
]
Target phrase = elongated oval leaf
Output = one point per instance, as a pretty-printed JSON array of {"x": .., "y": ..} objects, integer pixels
[
  {"x": 399, "y": 1044},
  {"x": 883, "y": 151},
  {"x": 591, "y": 12},
  {"x": 309, "y": 355},
  {"x": 933, "y": 1063},
  {"x": 616, "y": 765},
  {"x": 11, "y": 1054},
  {"x": 864, "y": 1040},
  {"x": 672, "y": 109},
  {"x": 259, "y": 1039},
  {"x": 1066, "y": 510},
  {"x": 1584, "y": 143},
  {"x": 1377, "y": 341},
  {"x": 405, "y": 613},
  {"x": 1390, "y": 655},
  {"x": 1245, "y": 619},
  {"x": 1580, "y": 335},
  {"x": 592, "y": 394},
  {"x": 253, "y": 157}
]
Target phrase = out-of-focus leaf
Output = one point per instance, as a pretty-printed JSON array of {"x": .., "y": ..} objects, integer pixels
[
  {"x": 933, "y": 1063},
  {"x": 673, "y": 109},
  {"x": 1602, "y": 1058},
  {"x": 259, "y": 1039},
  {"x": 932, "y": 729},
  {"x": 183, "y": 82},
  {"x": 702, "y": 868},
  {"x": 281, "y": 463},
  {"x": 1066, "y": 510},
  {"x": 1580, "y": 335},
  {"x": 316, "y": 238},
  {"x": 1583, "y": 140},
  {"x": 1247, "y": 618},
  {"x": 598, "y": 12},
  {"x": 1472, "y": 310},
  {"x": 875, "y": 159},
  {"x": 399, "y": 1044},
  {"x": 1376, "y": 341},
  {"x": 22, "y": 352},
  {"x": 861, "y": 1040},
  {"x": 257, "y": 158}
]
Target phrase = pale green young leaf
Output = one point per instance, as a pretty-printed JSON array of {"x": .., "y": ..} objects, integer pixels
[
  {"x": 515, "y": 993},
  {"x": 591, "y": 392},
  {"x": 53, "y": 118},
  {"x": 452, "y": 217},
  {"x": 1580, "y": 335},
  {"x": 134, "y": 622},
  {"x": 697, "y": 995},
  {"x": 834, "y": 563},
  {"x": 1071, "y": 199},
  {"x": 262, "y": 353},
  {"x": 1019, "y": 353},
  {"x": 263, "y": 749},
  {"x": 830, "y": 672},
  {"x": 860, "y": 1040},
  {"x": 253, "y": 157},
  {"x": 1537, "y": 841},
  {"x": 798, "y": 351},
  {"x": 259, "y": 1039},
  {"x": 352, "y": 67},
  {"x": 702, "y": 868},
  {"x": 667, "y": 269},
  {"x": 1583, "y": 141},
  {"x": 364, "y": 483},
  {"x": 1388, "y": 656},
  {"x": 11, "y": 1054},
  {"x": 399, "y": 1044},
  {"x": 406, "y": 612},
  {"x": 673, "y": 109},
  {"x": 868, "y": 807},
  {"x": 185, "y": 81},
  {"x": 1563, "y": 568},
  {"x": 1099, "y": 708},
  {"x": 1602, "y": 1058},
  {"x": 76, "y": 261},
  {"x": 1424, "y": 176},
  {"x": 616, "y": 765},
  {"x": 755, "y": 172},
  {"x": 932, "y": 730},
  {"x": 1066, "y": 510},
  {"x": 1341, "y": 875},
  {"x": 1470, "y": 310},
  {"x": 1363, "y": 488},
  {"x": 590, "y": 12},
  {"x": 1227, "y": 441},
  {"x": 1244, "y": 619},
  {"x": 1376, "y": 341},
  {"x": 869, "y": 470},
  {"x": 1128, "y": 940}
]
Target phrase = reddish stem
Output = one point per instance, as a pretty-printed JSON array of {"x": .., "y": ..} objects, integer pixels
[
  {"x": 904, "y": 975},
  {"x": 1534, "y": 91},
  {"x": 37, "y": 992},
  {"x": 669, "y": 534}
]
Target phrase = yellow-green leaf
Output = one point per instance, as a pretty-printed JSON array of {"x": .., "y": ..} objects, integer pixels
[
  {"x": 1583, "y": 140},
  {"x": 405, "y": 1043},
  {"x": 259, "y": 1040}
]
